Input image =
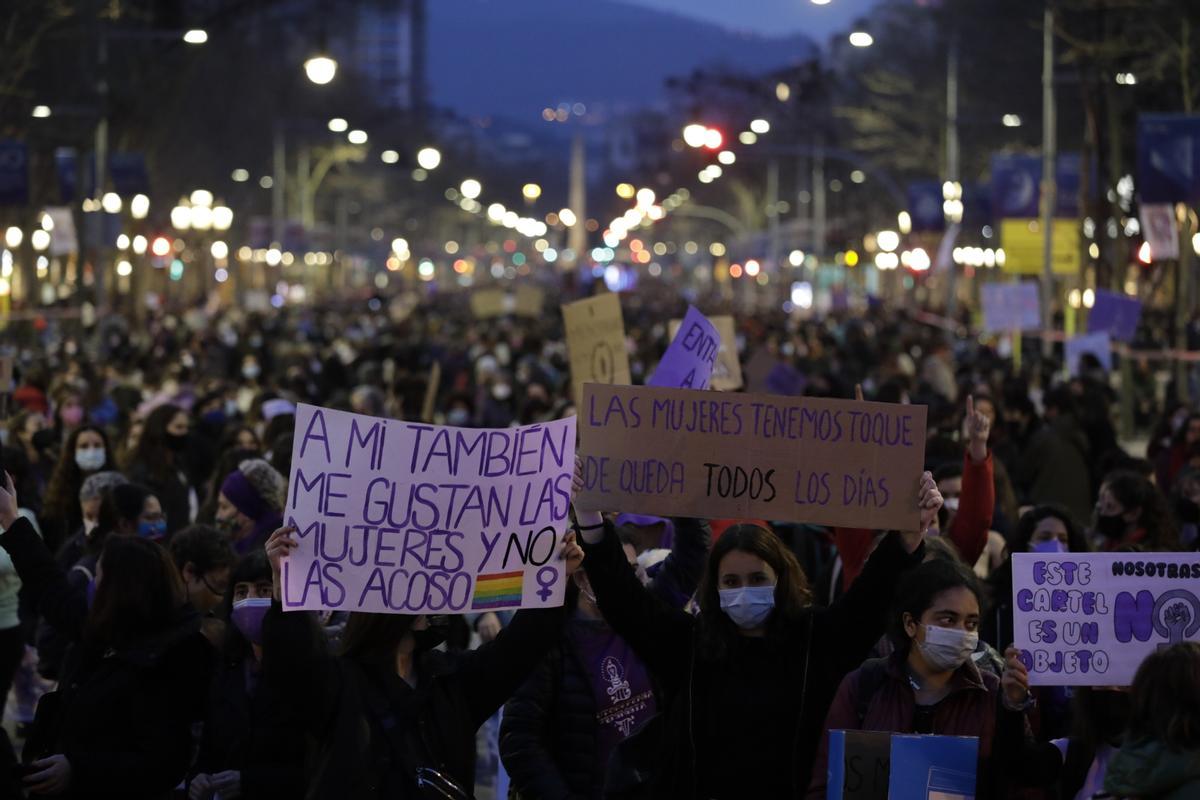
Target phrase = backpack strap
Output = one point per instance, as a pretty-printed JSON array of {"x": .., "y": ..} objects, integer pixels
[{"x": 868, "y": 679}]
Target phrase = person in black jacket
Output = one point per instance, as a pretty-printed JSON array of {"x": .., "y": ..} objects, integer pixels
[
  {"x": 158, "y": 462},
  {"x": 391, "y": 715},
  {"x": 747, "y": 683},
  {"x": 561, "y": 727},
  {"x": 119, "y": 725},
  {"x": 252, "y": 745}
]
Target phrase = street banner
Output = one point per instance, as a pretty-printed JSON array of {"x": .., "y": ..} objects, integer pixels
[
  {"x": 14, "y": 173},
  {"x": 1022, "y": 241},
  {"x": 1011, "y": 307},
  {"x": 596, "y": 342},
  {"x": 876, "y": 765},
  {"x": 1168, "y": 158},
  {"x": 1160, "y": 229},
  {"x": 1116, "y": 314},
  {"x": 727, "y": 372},
  {"x": 1096, "y": 344},
  {"x": 66, "y": 169},
  {"x": 1017, "y": 186},
  {"x": 1089, "y": 619},
  {"x": 63, "y": 239},
  {"x": 488, "y": 303},
  {"x": 679, "y": 452},
  {"x": 925, "y": 206},
  {"x": 407, "y": 518},
  {"x": 529, "y": 301},
  {"x": 128, "y": 174},
  {"x": 933, "y": 767},
  {"x": 691, "y": 356},
  {"x": 859, "y": 765}
]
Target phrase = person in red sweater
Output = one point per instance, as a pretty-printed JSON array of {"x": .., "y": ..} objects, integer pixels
[{"x": 965, "y": 519}]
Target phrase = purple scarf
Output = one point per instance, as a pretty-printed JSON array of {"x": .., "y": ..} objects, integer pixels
[{"x": 238, "y": 490}]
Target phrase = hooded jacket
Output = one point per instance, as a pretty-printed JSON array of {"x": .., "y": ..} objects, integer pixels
[{"x": 1150, "y": 770}]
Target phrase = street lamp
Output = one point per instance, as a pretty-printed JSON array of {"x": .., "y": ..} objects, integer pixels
[
  {"x": 111, "y": 203},
  {"x": 139, "y": 206},
  {"x": 181, "y": 216},
  {"x": 861, "y": 39},
  {"x": 320, "y": 69},
  {"x": 429, "y": 158},
  {"x": 471, "y": 189},
  {"x": 41, "y": 112},
  {"x": 531, "y": 191},
  {"x": 222, "y": 217},
  {"x": 196, "y": 36},
  {"x": 338, "y": 125}
]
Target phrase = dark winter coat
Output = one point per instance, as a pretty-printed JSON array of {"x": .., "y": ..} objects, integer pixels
[
  {"x": 371, "y": 731},
  {"x": 790, "y": 686},
  {"x": 123, "y": 716}
]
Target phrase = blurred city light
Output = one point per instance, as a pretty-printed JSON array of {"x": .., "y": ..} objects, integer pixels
[
  {"x": 429, "y": 158},
  {"x": 1011, "y": 121},
  {"x": 196, "y": 36},
  {"x": 760, "y": 126},
  {"x": 338, "y": 125},
  {"x": 320, "y": 69},
  {"x": 471, "y": 189},
  {"x": 139, "y": 206},
  {"x": 41, "y": 112},
  {"x": 861, "y": 39}
]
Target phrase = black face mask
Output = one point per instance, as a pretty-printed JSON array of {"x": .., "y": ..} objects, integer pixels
[
  {"x": 43, "y": 439},
  {"x": 434, "y": 635},
  {"x": 1111, "y": 526},
  {"x": 1187, "y": 511},
  {"x": 176, "y": 443}
]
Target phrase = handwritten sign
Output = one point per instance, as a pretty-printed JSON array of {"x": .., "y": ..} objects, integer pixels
[
  {"x": 691, "y": 356},
  {"x": 528, "y": 301},
  {"x": 1097, "y": 344},
  {"x": 1010, "y": 307},
  {"x": 727, "y": 372},
  {"x": 859, "y": 765},
  {"x": 678, "y": 452},
  {"x": 596, "y": 342},
  {"x": 1088, "y": 619},
  {"x": 488, "y": 303},
  {"x": 1115, "y": 314},
  {"x": 407, "y": 518}
]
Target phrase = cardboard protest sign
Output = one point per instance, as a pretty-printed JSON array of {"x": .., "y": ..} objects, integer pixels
[
  {"x": 1097, "y": 344},
  {"x": 691, "y": 356},
  {"x": 859, "y": 765},
  {"x": 488, "y": 303},
  {"x": 596, "y": 342},
  {"x": 6, "y": 373},
  {"x": 529, "y": 301},
  {"x": 401, "y": 517},
  {"x": 933, "y": 767},
  {"x": 727, "y": 372},
  {"x": 1010, "y": 307},
  {"x": 1116, "y": 314},
  {"x": 678, "y": 452},
  {"x": 1088, "y": 619},
  {"x": 1160, "y": 229}
]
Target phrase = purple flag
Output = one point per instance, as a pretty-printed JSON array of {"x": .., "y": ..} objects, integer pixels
[
  {"x": 688, "y": 362},
  {"x": 1115, "y": 314}
]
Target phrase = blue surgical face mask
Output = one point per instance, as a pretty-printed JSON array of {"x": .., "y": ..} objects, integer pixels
[
  {"x": 1048, "y": 546},
  {"x": 748, "y": 606},
  {"x": 152, "y": 530}
]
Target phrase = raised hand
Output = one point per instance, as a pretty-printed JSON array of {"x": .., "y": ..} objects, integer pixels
[
  {"x": 571, "y": 553},
  {"x": 976, "y": 428},
  {"x": 585, "y": 519},
  {"x": 929, "y": 500},
  {"x": 279, "y": 545}
]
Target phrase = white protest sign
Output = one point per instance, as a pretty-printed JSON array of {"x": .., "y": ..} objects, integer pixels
[
  {"x": 1089, "y": 619},
  {"x": 401, "y": 517}
]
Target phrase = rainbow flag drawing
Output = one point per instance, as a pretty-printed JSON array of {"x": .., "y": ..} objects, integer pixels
[{"x": 499, "y": 590}]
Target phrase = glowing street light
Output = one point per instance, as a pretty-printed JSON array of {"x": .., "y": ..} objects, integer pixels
[
  {"x": 222, "y": 217},
  {"x": 201, "y": 197},
  {"x": 760, "y": 126},
  {"x": 320, "y": 69},
  {"x": 196, "y": 36},
  {"x": 428, "y": 158},
  {"x": 338, "y": 125},
  {"x": 861, "y": 39},
  {"x": 471, "y": 189},
  {"x": 41, "y": 112},
  {"x": 694, "y": 135},
  {"x": 139, "y": 206},
  {"x": 531, "y": 191},
  {"x": 111, "y": 203},
  {"x": 357, "y": 137}
]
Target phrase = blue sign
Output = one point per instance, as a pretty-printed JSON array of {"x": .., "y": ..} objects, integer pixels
[
  {"x": 689, "y": 360},
  {"x": 1115, "y": 314},
  {"x": 1168, "y": 158},
  {"x": 933, "y": 767},
  {"x": 14, "y": 173},
  {"x": 66, "y": 166},
  {"x": 1096, "y": 344},
  {"x": 925, "y": 206},
  {"x": 858, "y": 765},
  {"x": 1017, "y": 191},
  {"x": 128, "y": 174},
  {"x": 1011, "y": 307}
]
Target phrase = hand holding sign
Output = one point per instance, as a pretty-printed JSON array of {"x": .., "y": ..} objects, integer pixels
[
  {"x": 1015, "y": 680},
  {"x": 929, "y": 500},
  {"x": 572, "y": 553},
  {"x": 278, "y": 547}
]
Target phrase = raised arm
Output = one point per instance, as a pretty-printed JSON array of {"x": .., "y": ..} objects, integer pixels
[
  {"x": 680, "y": 572},
  {"x": 977, "y": 502}
]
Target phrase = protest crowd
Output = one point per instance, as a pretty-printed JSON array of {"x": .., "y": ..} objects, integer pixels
[{"x": 149, "y": 648}]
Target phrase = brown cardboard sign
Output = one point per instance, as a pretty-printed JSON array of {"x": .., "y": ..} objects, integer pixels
[
  {"x": 727, "y": 373},
  {"x": 596, "y": 342},
  {"x": 529, "y": 301},
  {"x": 488, "y": 303},
  {"x": 679, "y": 452},
  {"x": 6, "y": 373}
]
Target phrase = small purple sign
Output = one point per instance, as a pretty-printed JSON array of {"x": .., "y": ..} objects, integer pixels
[
  {"x": 689, "y": 361},
  {"x": 786, "y": 380},
  {"x": 1010, "y": 307},
  {"x": 1115, "y": 314},
  {"x": 1097, "y": 344}
]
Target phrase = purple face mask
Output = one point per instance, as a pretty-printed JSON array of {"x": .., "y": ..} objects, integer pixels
[
  {"x": 248, "y": 616},
  {"x": 1048, "y": 546}
]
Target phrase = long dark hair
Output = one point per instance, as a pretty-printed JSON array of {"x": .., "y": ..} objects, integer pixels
[
  {"x": 371, "y": 639},
  {"x": 251, "y": 568},
  {"x": 918, "y": 589},
  {"x": 1134, "y": 491},
  {"x": 152, "y": 451},
  {"x": 119, "y": 504},
  {"x": 62, "y": 492},
  {"x": 1166, "y": 697},
  {"x": 1021, "y": 535},
  {"x": 138, "y": 595},
  {"x": 792, "y": 594}
]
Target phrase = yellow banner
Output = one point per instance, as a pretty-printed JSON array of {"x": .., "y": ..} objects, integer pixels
[{"x": 1022, "y": 242}]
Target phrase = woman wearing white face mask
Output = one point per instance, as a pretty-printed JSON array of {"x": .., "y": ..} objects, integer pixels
[
  {"x": 746, "y": 684},
  {"x": 85, "y": 453},
  {"x": 930, "y": 684}
]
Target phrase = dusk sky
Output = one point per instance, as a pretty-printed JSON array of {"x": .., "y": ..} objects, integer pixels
[{"x": 772, "y": 16}]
